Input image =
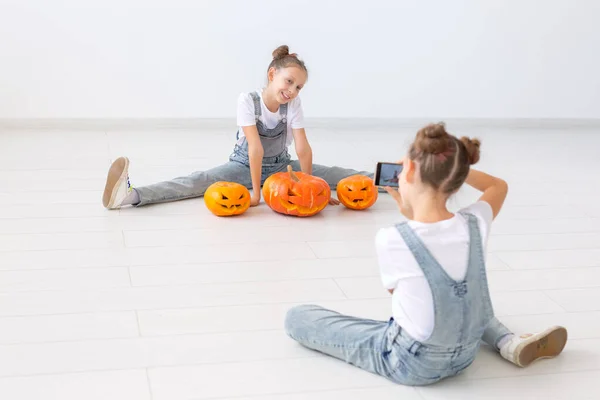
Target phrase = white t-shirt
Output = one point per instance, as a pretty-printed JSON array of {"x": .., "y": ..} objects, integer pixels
[
  {"x": 448, "y": 242},
  {"x": 245, "y": 115}
]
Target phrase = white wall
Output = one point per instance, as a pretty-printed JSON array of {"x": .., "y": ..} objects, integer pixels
[{"x": 366, "y": 58}]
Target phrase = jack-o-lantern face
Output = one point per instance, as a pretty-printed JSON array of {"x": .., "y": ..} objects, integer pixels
[
  {"x": 357, "y": 192},
  {"x": 296, "y": 193},
  {"x": 227, "y": 198}
]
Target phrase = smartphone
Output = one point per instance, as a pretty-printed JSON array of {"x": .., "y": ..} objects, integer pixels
[{"x": 386, "y": 174}]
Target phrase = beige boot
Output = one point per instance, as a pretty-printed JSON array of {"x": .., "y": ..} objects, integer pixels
[
  {"x": 117, "y": 184},
  {"x": 525, "y": 349}
]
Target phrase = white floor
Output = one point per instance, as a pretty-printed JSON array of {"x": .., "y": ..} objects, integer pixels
[{"x": 169, "y": 302}]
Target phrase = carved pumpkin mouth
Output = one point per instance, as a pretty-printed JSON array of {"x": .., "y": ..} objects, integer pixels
[
  {"x": 296, "y": 202},
  {"x": 231, "y": 205},
  {"x": 355, "y": 200}
]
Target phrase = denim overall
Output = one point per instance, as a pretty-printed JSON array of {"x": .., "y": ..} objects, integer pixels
[
  {"x": 275, "y": 159},
  {"x": 273, "y": 140},
  {"x": 463, "y": 317}
]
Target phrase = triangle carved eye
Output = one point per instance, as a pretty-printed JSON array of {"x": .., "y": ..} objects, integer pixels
[{"x": 223, "y": 197}]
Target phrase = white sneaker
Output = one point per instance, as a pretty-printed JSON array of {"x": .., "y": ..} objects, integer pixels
[
  {"x": 117, "y": 184},
  {"x": 525, "y": 349}
]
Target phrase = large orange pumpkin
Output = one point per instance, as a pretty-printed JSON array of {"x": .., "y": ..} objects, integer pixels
[
  {"x": 357, "y": 192},
  {"x": 225, "y": 199},
  {"x": 296, "y": 193}
]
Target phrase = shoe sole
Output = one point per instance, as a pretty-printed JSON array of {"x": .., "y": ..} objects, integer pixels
[
  {"x": 116, "y": 174},
  {"x": 548, "y": 344}
]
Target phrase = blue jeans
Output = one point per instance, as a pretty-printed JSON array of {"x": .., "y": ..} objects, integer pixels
[{"x": 379, "y": 347}]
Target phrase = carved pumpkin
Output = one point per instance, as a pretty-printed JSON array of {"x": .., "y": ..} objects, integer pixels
[
  {"x": 296, "y": 193},
  {"x": 227, "y": 198},
  {"x": 357, "y": 192}
]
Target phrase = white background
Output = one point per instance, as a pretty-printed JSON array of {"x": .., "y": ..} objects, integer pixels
[{"x": 402, "y": 59}]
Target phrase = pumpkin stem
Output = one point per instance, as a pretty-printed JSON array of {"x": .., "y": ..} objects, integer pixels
[{"x": 292, "y": 174}]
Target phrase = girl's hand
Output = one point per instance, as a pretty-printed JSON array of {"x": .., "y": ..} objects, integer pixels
[
  {"x": 333, "y": 202},
  {"x": 394, "y": 191},
  {"x": 395, "y": 194},
  {"x": 255, "y": 200},
  {"x": 398, "y": 197}
]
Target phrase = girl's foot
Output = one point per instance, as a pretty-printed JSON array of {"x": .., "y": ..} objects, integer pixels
[
  {"x": 118, "y": 190},
  {"x": 525, "y": 349}
]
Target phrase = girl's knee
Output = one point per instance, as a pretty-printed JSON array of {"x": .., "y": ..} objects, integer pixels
[{"x": 297, "y": 318}]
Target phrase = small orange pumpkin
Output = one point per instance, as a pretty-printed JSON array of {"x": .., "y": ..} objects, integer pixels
[
  {"x": 357, "y": 192},
  {"x": 296, "y": 193},
  {"x": 225, "y": 199}
]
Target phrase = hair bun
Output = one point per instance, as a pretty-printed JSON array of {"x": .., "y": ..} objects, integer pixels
[
  {"x": 433, "y": 139},
  {"x": 472, "y": 146},
  {"x": 281, "y": 52}
]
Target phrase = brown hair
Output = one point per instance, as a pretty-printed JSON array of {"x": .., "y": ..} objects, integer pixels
[
  {"x": 283, "y": 59},
  {"x": 443, "y": 159}
]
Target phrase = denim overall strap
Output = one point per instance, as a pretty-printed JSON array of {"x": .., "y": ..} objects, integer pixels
[
  {"x": 258, "y": 112},
  {"x": 256, "y": 101},
  {"x": 476, "y": 272},
  {"x": 462, "y": 309},
  {"x": 283, "y": 112}
]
